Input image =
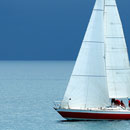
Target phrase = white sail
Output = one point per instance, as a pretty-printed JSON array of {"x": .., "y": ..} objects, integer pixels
[
  {"x": 87, "y": 86},
  {"x": 117, "y": 62}
]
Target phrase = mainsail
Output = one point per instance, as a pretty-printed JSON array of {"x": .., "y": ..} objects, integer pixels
[
  {"x": 88, "y": 86},
  {"x": 117, "y": 62}
]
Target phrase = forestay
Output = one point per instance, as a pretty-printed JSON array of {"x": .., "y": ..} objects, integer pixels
[
  {"x": 87, "y": 86},
  {"x": 117, "y": 62}
]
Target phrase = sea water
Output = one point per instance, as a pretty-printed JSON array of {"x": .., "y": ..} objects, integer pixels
[{"x": 27, "y": 92}]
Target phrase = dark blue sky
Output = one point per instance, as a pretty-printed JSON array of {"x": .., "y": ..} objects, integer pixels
[{"x": 48, "y": 29}]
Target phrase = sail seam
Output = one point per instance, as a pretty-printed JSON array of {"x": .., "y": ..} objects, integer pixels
[
  {"x": 98, "y": 9},
  {"x": 111, "y": 5},
  {"x": 116, "y": 50},
  {"x": 94, "y": 41},
  {"x": 119, "y": 69},
  {"x": 119, "y": 48},
  {"x": 114, "y": 37},
  {"x": 90, "y": 75}
]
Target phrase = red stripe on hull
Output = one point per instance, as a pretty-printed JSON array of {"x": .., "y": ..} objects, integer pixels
[{"x": 100, "y": 116}]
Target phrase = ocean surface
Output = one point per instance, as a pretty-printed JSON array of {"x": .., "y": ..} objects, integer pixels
[{"x": 27, "y": 92}]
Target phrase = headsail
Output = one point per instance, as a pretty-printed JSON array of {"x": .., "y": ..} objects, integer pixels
[
  {"x": 117, "y": 62},
  {"x": 87, "y": 86}
]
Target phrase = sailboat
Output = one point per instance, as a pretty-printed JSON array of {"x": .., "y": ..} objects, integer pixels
[{"x": 101, "y": 71}]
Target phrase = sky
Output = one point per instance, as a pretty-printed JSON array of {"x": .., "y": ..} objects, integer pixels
[{"x": 48, "y": 29}]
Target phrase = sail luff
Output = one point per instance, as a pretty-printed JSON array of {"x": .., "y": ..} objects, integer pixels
[
  {"x": 87, "y": 86},
  {"x": 117, "y": 62}
]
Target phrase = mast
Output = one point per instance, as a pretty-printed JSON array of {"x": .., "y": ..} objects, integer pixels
[
  {"x": 117, "y": 62},
  {"x": 87, "y": 86}
]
